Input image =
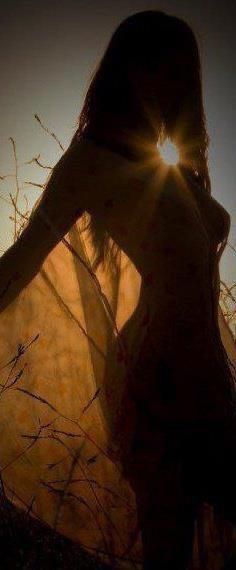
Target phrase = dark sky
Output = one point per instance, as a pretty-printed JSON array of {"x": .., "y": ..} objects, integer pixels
[{"x": 48, "y": 51}]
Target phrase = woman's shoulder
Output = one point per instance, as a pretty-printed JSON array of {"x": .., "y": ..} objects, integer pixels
[
  {"x": 97, "y": 152},
  {"x": 100, "y": 173}
]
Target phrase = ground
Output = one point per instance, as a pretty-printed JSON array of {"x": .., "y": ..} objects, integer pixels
[{"x": 26, "y": 544}]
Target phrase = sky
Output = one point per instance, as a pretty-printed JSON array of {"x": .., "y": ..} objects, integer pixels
[{"x": 48, "y": 52}]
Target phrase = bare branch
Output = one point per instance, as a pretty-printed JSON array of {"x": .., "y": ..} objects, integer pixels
[
  {"x": 17, "y": 186},
  {"x": 49, "y": 132}
]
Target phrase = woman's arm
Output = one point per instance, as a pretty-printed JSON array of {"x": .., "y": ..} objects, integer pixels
[{"x": 62, "y": 203}]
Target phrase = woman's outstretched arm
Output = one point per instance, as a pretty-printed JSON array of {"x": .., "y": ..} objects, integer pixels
[{"x": 61, "y": 204}]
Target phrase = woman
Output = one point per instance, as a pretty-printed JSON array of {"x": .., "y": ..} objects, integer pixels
[{"x": 165, "y": 392}]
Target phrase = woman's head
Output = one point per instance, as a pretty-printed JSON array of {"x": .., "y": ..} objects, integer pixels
[
  {"x": 148, "y": 86},
  {"x": 149, "y": 82}
]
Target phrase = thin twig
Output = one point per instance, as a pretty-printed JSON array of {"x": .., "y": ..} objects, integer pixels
[
  {"x": 17, "y": 186},
  {"x": 49, "y": 132}
]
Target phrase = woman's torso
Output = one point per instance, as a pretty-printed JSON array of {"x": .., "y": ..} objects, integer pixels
[
  {"x": 126, "y": 202},
  {"x": 127, "y": 209}
]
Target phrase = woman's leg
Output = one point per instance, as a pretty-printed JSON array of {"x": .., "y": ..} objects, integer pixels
[
  {"x": 171, "y": 475},
  {"x": 167, "y": 531},
  {"x": 209, "y": 459},
  {"x": 219, "y": 474},
  {"x": 210, "y": 470},
  {"x": 166, "y": 510}
]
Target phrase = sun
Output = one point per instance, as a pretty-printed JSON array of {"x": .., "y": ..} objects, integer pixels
[{"x": 169, "y": 152}]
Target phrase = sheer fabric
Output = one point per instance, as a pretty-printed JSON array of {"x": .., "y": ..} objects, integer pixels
[{"x": 58, "y": 409}]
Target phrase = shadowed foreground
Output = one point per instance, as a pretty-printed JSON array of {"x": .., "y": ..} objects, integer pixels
[{"x": 27, "y": 544}]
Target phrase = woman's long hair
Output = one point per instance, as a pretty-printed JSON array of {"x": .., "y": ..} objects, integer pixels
[{"x": 149, "y": 41}]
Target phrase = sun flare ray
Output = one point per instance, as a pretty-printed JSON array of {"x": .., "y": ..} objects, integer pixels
[{"x": 169, "y": 152}]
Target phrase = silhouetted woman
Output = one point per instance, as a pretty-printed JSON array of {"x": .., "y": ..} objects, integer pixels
[{"x": 170, "y": 408}]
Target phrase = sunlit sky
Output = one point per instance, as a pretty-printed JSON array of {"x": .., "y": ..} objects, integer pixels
[{"x": 48, "y": 52}]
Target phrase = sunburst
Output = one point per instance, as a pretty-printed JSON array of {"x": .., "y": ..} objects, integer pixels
[{"x": 169, "y": 152}]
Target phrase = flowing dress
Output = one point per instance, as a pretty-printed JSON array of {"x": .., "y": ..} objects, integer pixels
[{"x": 83, "y": 353}]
